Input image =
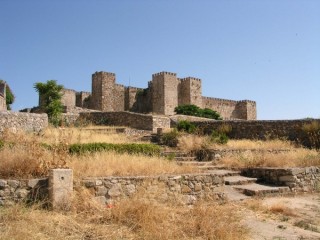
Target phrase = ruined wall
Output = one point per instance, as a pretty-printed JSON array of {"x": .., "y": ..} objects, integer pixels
[
  {"x": 134, "y": 120},
  {"x": 102, "y": 91},
  {"x": 190, "y": 92},
  {"x": 3, "y": 105},
  {"x": 259, "y": 129},
  {"x": 118, "y": 97},
  {"x": 164, "y": 93},
  {"x": 83, "y": 99},
  {"x": 186, "y": 188},
  {"x": 18, "y": 121}
]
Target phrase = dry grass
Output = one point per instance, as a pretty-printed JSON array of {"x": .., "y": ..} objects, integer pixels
[
  {"x": 258, "y": 144},
  {"x": 281, "y": 208},
  {"x": 190, "y": 142},
  {"x": 26, "y": 158},
  {"x": 299, "y": 158},
  {"x": 110, "y": 163},
  {"x": 83, "y": 135},
  {"x": 128, "y": 219}
]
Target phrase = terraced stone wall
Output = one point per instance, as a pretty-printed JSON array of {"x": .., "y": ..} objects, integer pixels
[
  {"x": 262, "y": 129},
  {"x": 297, "y": 179},
  {"x": 185, "y": 189}
]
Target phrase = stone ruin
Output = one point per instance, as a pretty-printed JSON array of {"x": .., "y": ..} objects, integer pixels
[{"x": 164, "y": 92}]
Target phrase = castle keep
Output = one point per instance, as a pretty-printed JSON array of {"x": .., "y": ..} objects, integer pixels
[
  {"x": 3, "y": 105},
  {"x": 164, "y": 92}
]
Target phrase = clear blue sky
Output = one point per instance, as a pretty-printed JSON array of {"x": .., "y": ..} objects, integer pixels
[{"x": 262, "y": 50}]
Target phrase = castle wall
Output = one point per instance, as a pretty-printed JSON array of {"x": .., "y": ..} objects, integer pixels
[
  {"x": 190, "y": 92},
  {"x": 83, "y": 99},
  {"x": 226, "y": 108},
  {"x": 164, "y": 93},
  {"x": 102, "y": 91},
  {"x": 118, "y": 98},
  {"x": 68, "y": 97},
  {"x": 246, "y": 110}
]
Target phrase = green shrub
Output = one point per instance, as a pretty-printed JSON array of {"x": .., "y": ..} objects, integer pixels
[
  {"x": 218, "y": 137},
  {"x": 1, "y": 144},
  {"x": 130, "y": 148},
  {"x": 170, "y": 139},
  {"x": 186, "y": 126},
  {"x": 193, "y": 110}
]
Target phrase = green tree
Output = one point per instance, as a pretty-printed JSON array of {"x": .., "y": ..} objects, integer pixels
[
  {"x": 50, "y": 95},
  {"x": 193, "y": 110},
  {"x": 9, "y": 95}
]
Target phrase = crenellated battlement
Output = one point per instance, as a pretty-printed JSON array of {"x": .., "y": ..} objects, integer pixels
[
  {"x": 219, "y": 99},
  {"x": 190, "y": 79},
  {"x": 104, "y": 74},
  {"x": 164, "y": 73},
  {"x": 248, "y": 101}
]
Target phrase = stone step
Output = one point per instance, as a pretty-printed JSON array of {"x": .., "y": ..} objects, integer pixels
[
  {"x": 185, "y": 159},
  {"x": 224, "y": 172},
  {"x": 232, "y": 194},
  {"x": 261, "y": 190},
  {"x": 196, "y": 163},
  {"x": 174, "y": 154},
  {"x": 238, "y": 180}
]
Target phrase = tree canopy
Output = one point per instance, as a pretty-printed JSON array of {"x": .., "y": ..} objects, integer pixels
[{"x": 50, "y": 95}]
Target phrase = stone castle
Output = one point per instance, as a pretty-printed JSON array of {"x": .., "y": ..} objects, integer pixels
[
  {"x": 3, "y": 105},
  {"x": 164, "y": 92}
]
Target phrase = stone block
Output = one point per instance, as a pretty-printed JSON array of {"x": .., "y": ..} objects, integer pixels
[
  {"x": 115, "y": 191},
  {"x": 185, "y": 189},
  {"x": 60, "y": 188},
  {"x": 3, "y": 184},
  {"x": 288, "y": 178}
]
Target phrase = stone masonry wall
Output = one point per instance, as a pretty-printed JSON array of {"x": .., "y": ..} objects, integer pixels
[
  {"x": 12, "y": 191},
  {"x": 186, "y": 188},
  {"x": 190, "y": 91},
  {"x": 18, "y": 121},
  {"x": 226, "y": 108},
  {"x": 68, "y": 97},
  {"x": 118, "y": 98},
  {"x": 134, "y": 120},
  {"x": 297, "y": 179},
  {"x": 263, "y": 129},
  {"x": 83, "y": 99}
]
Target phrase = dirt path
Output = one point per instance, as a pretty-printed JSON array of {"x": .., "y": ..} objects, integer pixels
[{"x": 283, "y": 218}]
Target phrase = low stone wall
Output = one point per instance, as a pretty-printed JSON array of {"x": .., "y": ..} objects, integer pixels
[
  {"x": 134, "y": 120},
  {"x": 185, "y": 189},
  {"x": 263, "y": 129},
  {"x": 297, "y": 179},
  {"x": 30, "y": 122},
  {"x": 12, "y": 191}
]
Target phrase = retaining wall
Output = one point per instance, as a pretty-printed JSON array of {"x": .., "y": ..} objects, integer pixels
[
  {"x": 29, "y": 122},
  {"x": 134, "y": 120},
  {"x": 297, "y": 179},
  {"x": 185, "y": 189},
  {"x": 262, "y": 129}
]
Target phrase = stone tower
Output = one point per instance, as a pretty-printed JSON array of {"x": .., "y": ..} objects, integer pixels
[
  {"x": 164, "y": 93},
  {"x": 246, "y": 110},
  {"x": 102, "y": 91},
  {"x": 190, "y": 91},
  {"x": 3, "y": 105}
]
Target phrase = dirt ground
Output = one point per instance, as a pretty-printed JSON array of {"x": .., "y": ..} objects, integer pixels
[{"x": 283, "y": 218}]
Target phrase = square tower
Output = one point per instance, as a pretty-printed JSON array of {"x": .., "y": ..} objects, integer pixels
[
  {"x": 190, "y": 91},
  {"x": 102, "y": 91},
  {"x": 164, "y": 93}
]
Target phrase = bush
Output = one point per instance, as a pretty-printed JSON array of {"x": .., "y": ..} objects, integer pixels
[
  {"x": 218, "y": 137},
  {"x": 130, "y": 148},
  {"x": 186, "y": 126},
  {"x": 193, "y": 110},
  {"x": 170, "y": 139}
]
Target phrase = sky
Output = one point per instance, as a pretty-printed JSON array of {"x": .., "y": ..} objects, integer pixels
[{"x": 262, "y": 50}]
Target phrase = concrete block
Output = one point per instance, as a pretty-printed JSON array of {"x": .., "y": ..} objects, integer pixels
[{"x": 60, "y": 188}]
